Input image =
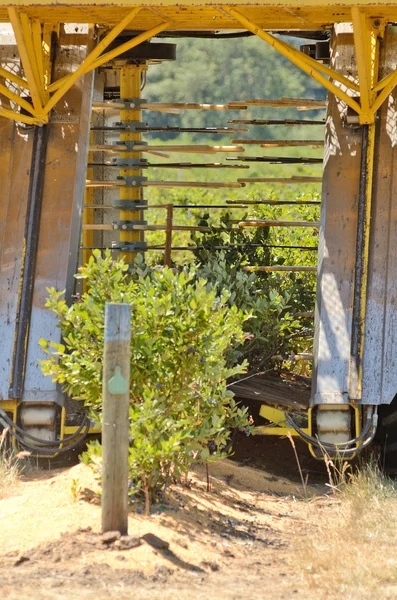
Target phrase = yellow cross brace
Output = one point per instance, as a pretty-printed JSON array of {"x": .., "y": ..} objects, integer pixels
[
  {"x": 294, "y": 56},
  {"x": 87, "y": 62},
  {"x": 27, "y": 61}
]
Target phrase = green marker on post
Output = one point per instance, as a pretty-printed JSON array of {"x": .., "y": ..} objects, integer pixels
[{"x": 118, "y": 385}]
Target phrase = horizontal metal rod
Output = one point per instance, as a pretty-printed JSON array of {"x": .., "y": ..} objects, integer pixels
[
  {"x": 190, "y": 148},
  {"x": 279, "y": 160},
  {"x": 225, "y": 247},
  {"x": 274, "y": 202},
  {"x": 301, "y": 356},
  {"x": 231, "y": 204},
  {"x": 281, "y": 143},
  {"x": 284, "y": 122},
  {"x": 241, "y": 224},
  {"x": 164, "y": 184},
  {"x": 166, "y": 129},
  {"x": 268, "y": 223},
  {"x": 193, "y": 248},
  {"x": 294, "y": 179},
  {"x": 280, "y": 268},
  {"x": 172, "y": 166},
  {"x": 299, "y": 103},
  {"x": 160, "y": 106}
]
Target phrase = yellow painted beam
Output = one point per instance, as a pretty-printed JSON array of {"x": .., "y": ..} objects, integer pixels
[
  {"x": 361, "y": 40},
  {"x": 381, "y": 84},
  {"x": 47, "y": 44},
  {"x": 14, "y": 116},
  {"x": 87, "y": 63},
  {"x": 116, "y": 52},
  {"x": 38, "y": 51},
  {"x": 387, "y": 90},
  {"x": 130, "y": 87},
  {"x": 131, "y": 44},
  {"x": 323, "y": 68},
  {"x": 5, "y": 91},
  {"x": 275, "y": 416},
  {"x": 28, "y": 60},
  {"x": 289, "y": 53},
  {"x": 13, "y": 78}
]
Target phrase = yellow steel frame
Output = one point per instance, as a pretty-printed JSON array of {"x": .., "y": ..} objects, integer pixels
[
  {"x": 366, "y": 34},
  {"x": 277, "y": 418},
  {"x": 33, "y": 42}
]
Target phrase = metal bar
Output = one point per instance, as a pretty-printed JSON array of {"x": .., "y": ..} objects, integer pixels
[
  {"x": 103, "y": 44},
  {"x": 241, "y": 224},
  {"x": 31, "y": 238},
  {"x": 281, "y": 160},
  {"x": 25, "y": 48},
  {"x": 89, "y": 61},
  {"x": 274, "y": 202},
  {"x": 298, "y": 103},
  {"x": 289, "y": 53},
  {"x": 174, "y": 166},
  {"x": 284, "y": 122},
  {"x": 17, "y": 99},
  {"x": 311, "y": 62},
  {"x": 48, "y": 32},
  {"x": 142, "y": 37},
  {"x": 283, "y": 268},
  {"x": 381, "y": 84},
  {"x": 361, "y": 263},
  {"x": 271, "y": 223},
  {"x": 189, "y": 148},
  {"x": 282, "y": 143},
  {"x": 165, "y": 184},
  {"x": 386, "y": 91},
  {"x": 192, "y": 248},
  {"x": 14, "y": 78},
  {"x": 167, "y": 129},
  {"x": 10, "y": 114},
  {"x": 360, "y": 33},
  {"x": 295, "y": 179},
  {"x": 231, "y": 204},
  {"x": 37, "y": 44},
  {"x": 168, "y": 236},
  {"x": 130, "y": 87}
]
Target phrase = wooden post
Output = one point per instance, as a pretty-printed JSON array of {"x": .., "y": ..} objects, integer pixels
[
  {"x": 115, "y": 426},
  {"x": 168, "y": 235}
]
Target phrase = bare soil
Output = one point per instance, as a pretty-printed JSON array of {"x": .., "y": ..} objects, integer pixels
[{"x": 236, "y": 541}]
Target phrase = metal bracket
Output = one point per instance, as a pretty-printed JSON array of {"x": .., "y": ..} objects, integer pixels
[
  {"x": 130, "y": 144},
  {"x": 132, "y": 181},
  {"x": 129, "y": 246},
  {"x": 131, "y": 125},
  {"x": 132, "y": 103},
  {"x": 129, "y": 204},
  {"x": 127, "y": 225},
  {"x": 130, "y": 163}
]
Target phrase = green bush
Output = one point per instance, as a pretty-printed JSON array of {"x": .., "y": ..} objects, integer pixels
[{"x": 181, "y": 331}]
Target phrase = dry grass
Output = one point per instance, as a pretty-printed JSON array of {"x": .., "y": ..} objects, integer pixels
[
  {"x": 353, "y": 554},
  {"x": 10, "y": 465}
]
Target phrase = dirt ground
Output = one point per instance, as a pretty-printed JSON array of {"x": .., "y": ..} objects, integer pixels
[{"x": 249, "y": 537}]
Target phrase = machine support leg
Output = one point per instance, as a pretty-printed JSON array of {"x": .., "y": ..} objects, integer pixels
[
  {"x": 31, "y": 240},
  {"x": 361, "y": 262},
  {"x": 130, "y": 89}
]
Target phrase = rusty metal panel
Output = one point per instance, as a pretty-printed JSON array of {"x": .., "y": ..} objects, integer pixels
[
  {"x": 16, "y": 145},
  {"x": 60, "y": 218},
  {"x": 380, "y": 351},
  {"x": 336, "y": 242}
]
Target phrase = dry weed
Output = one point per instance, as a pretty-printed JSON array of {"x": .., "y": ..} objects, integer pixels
[
  {"x": 11, "y": 464},
  {"x": 353, "y": 553}
]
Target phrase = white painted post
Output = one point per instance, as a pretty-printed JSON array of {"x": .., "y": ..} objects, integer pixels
[{"x": 115, "y": 426}]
